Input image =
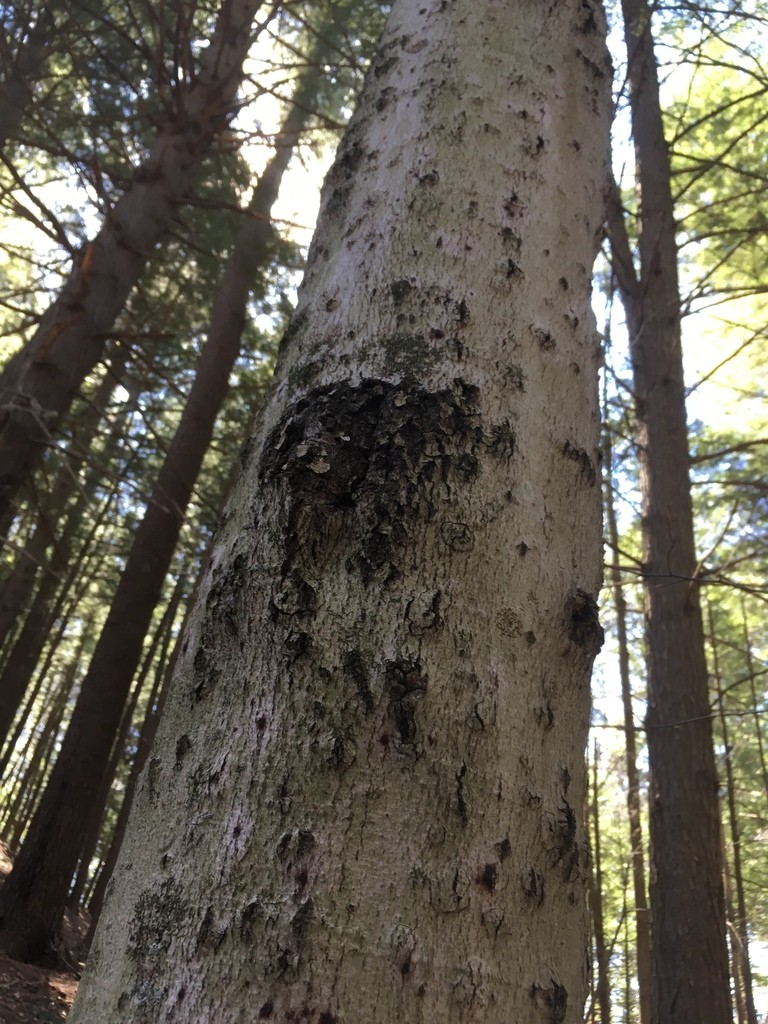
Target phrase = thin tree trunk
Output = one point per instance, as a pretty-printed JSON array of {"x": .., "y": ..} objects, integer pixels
[
  {"x": 634, "y": 808},
  {"x": 603, "y": 986},
  {"x": 148, "y": 730},
  {"x": 743, "y": 979},
  {"x": 365, "y": 798},
  {"x": 755, "y": 702},
  {"x": 159, "y": 642},
  {"x": 63, "y": 572},
  {"x": 14, "y": 778},
  {"x": 39, "y": 384},
  {"x": 22, "y": 70},
  {"x": 144, "y": 745},
  {"x": 690, "y": 959},
  {"x": 15, "y": 591},
  {"x": 33, "y": 897},
  {"x": 37, "y": 764}
]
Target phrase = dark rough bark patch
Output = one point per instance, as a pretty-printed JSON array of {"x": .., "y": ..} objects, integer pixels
[
  {"x": 356, "y": 427},
  {"x": 502, "y": 441},
  {"x": 515, "y": 377},
  {"x": 159, "y": 913},
  {"x": 295, "y": 845},
  {"x": 153, "y": 770},
  {"x": 183, "y": 746},
  {"x": 589, "y": 23},
  {"x": 461, "y": 802},
  {"x": 551, "y": 1002},
  {"x": 385, "y": 97},
  {"x": 486, "y": 878},
  {"x": 513, "y": 206},
  {"x": 544, "y": 338},
  {"x": 503, "y": 848},
  {"x": 404, "y": 684},
  {"x": 357, "y": 670},
  {"x": 205, "y": 928},
  {"x": 563, "y": 844},
  {"x": 545, "y": 716},
  {"x": 341, "y": 175},
  {"x": 400, "y": 290},
  {"x": 458, "y": 536},
  {"x": 297, "y": 597},
  {"x": 582, "y": 459},
  {"x": 248, "y": 915},
  {"x": 298, "y": 643},
  {"x": 461, "y": 311},
  {"x": 302, "y": 919},
  {"x": 533, "y": 885},
  {"x": 594, "y": 70},
  {"x": 206, "y": 676},
  {"x": 513, "y": 269},
  {"x": 584, "y": 627},
  {"x": 423, "y": 614},
  {"x": 360, "y": 462}
]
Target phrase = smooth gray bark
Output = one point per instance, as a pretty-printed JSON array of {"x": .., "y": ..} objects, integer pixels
[{"x": 364, "y": 802}]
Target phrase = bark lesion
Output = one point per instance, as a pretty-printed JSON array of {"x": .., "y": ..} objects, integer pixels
[
  {"x": 584, "y": 627},
  {"x": 359, "y": 463},
  {"x": 404, "y": 683}
]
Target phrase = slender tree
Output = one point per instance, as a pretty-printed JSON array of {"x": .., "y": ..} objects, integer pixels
[
  {"x": 634, "y": 804},
  {"x": 365, "y": 799},
  {"x": 602, "y": 983},
  {"x": 689, "y": 954}
]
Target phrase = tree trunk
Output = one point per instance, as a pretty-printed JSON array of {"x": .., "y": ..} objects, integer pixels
[
  {"x": 602, "y": 986},
  {"x": 634, "y": 808},
  {"x": 64, "y": 573},
  {"x": 40, "y": 382},
  {"x": 690, "y": 960},
  {"x": 34, "y": 896},
  {"x": 16, "y": 589},
  {"x": 160, "y": 640},
  {"x": 743, "y": 987},
  {"x": 364, "y": 802},
  {"x": 22, "y": 70}
]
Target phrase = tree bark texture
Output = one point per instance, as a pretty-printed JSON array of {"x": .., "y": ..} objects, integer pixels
[
  {"x": 365, "y": 799},
  {"x": 690, "y": 962},
  {"x": 40, "y": 382}
]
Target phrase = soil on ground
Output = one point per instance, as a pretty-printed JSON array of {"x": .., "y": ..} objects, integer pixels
[{"x": 39, "y": 995}]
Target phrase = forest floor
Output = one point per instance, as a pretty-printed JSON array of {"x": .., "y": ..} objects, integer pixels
[{"x": 39, "y": 995}]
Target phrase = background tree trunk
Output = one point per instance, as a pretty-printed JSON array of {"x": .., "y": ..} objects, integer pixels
[
  {"x": 364, "y": 803},
  {"x": 690, "y": 960},
  {"x": 634, "y": 807}
]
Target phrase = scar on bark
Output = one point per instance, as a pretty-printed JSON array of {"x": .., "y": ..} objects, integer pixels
[
  {"x": 551, "y": 1002},
  {"x": 486, "y": 878},
  {"x": 582, "y": 459},
  {"x": 404, "y": 682},
  {"x": 584, "y": 627},
  {"x": 357, "y": 670}
]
